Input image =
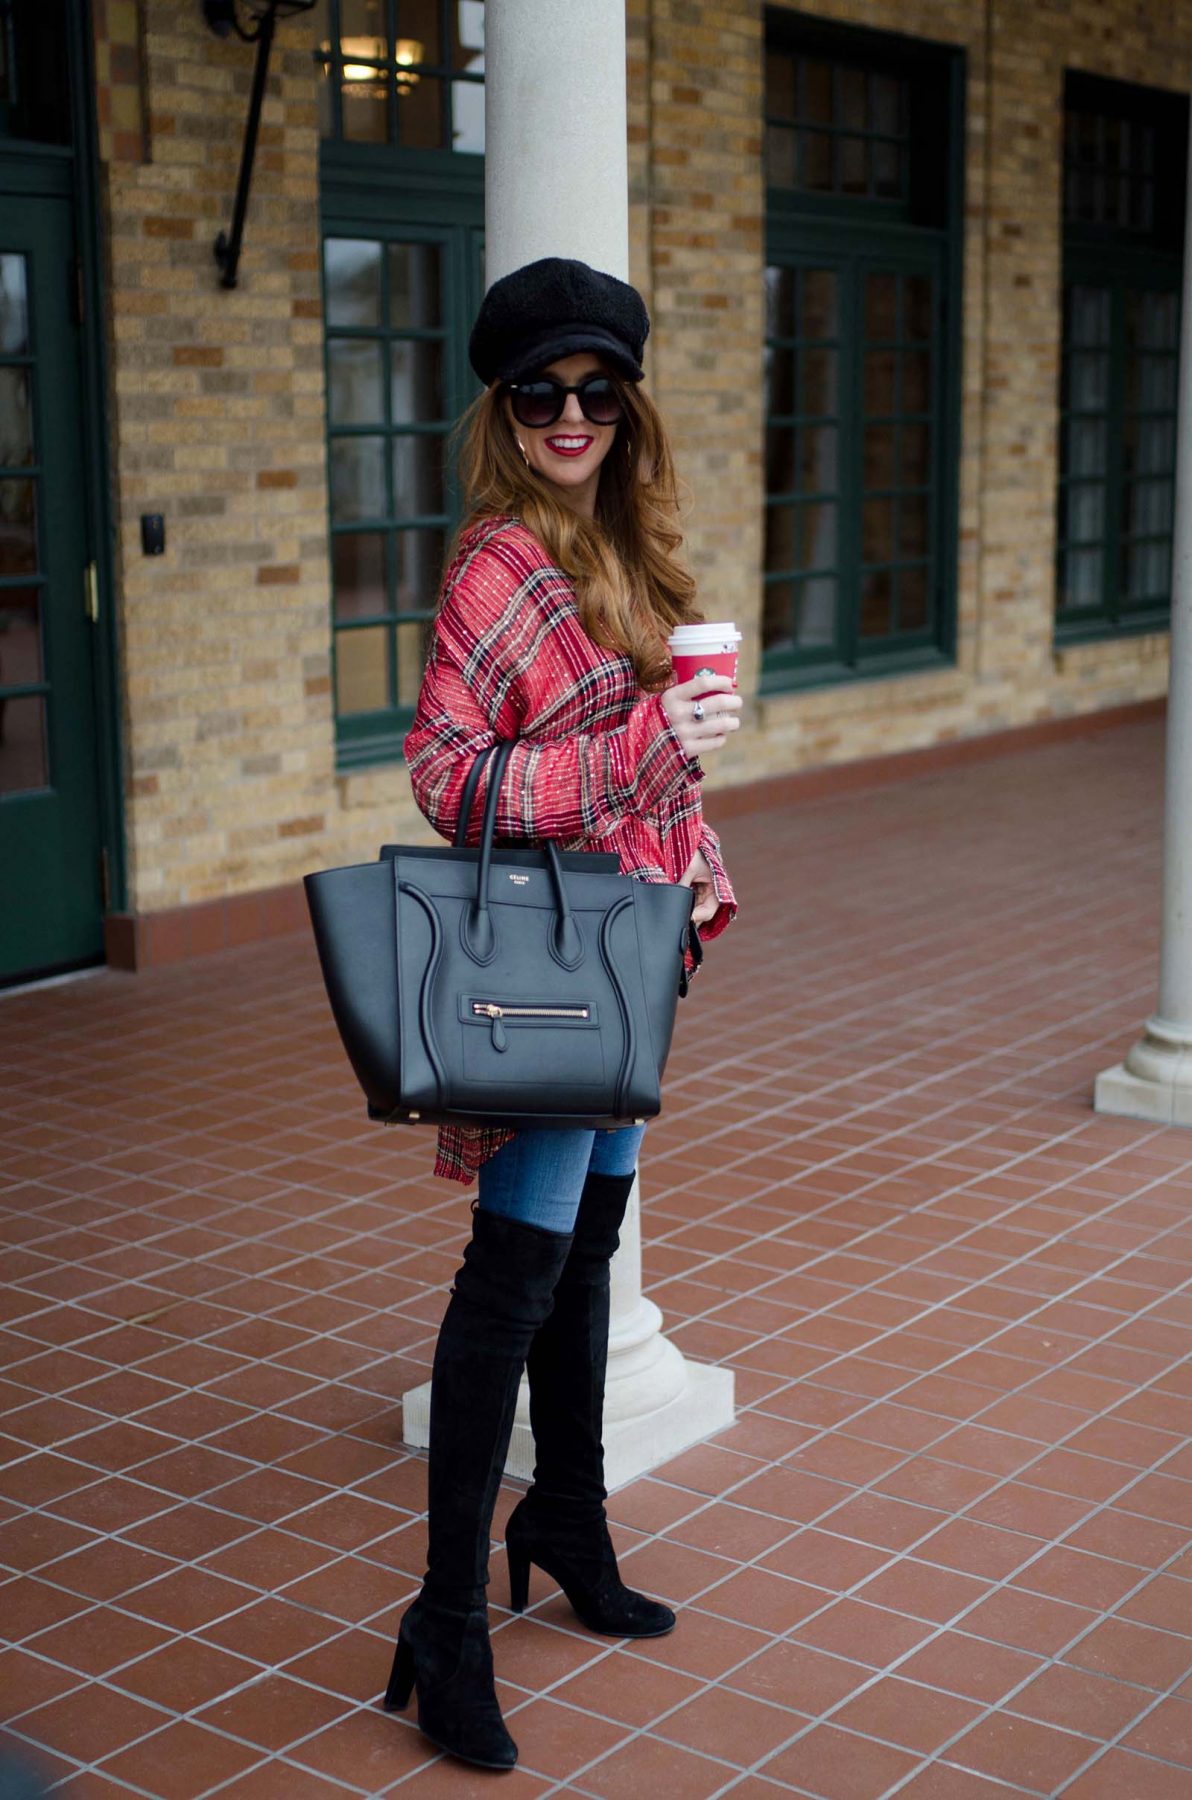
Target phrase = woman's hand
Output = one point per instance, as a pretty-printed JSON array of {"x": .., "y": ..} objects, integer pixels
[
  {"x": 702, "y": 712},
  {"x": 699, "y": 877}
]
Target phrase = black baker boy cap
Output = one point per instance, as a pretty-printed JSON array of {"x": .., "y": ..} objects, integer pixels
[{"x": 550, "y": 309}]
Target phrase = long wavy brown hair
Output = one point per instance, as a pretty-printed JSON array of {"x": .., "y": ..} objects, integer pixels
[{"x": 630, "y": 586}]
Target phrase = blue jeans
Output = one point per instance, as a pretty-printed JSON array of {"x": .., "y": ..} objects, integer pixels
[{"x": 538, "y": 1176}]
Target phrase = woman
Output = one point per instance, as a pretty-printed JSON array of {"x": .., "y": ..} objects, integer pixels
[{"x": 551, "y": 629}]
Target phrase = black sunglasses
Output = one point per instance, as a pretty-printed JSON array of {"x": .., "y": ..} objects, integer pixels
[{"x": 541, "y": 402}]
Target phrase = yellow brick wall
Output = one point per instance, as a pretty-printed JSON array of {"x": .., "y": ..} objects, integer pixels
[{"x": 217, "y": 417}]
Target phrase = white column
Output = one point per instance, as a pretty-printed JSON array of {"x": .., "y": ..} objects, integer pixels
[
  {"x": 557, "y": 184},
  {"x": 556, "y": 175},
  {"x": 1155, "y": 1081}
]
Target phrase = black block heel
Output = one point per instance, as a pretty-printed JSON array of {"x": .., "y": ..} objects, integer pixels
[
  {"x": 401, "y": 1679},
  {"x": 519, "y": 1577}
]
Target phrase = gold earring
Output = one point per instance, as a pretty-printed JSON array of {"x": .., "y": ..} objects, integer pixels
[{"x": 522, "y": 448}]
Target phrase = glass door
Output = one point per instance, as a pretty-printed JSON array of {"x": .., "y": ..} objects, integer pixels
[{"x": 50, "y": 886}]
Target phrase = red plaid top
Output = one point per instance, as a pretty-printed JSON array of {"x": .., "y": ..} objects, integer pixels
[{"x": 597, "y": 765}]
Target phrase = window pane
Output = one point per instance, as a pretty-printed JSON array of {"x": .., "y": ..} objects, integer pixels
[
  {"x": 416, "y": 382},
  {"x": 419, "y": 20},
  {"x": 355, "y": 395},
  {"x": 780, "y": 84},
  {"x": 854, "y": 165},
  {"x": 879, "y": 382},
  {"x": 413, "y": 641},
  {"x": 887, "y": 170},
  {"x": 818, "y": 535},
  {"x": 1149, "y": 508},
  {"x": 1087, "y": 445},
  {"x": 816, "y": 171},
  {"x": 818, "y": 293},
  {"x": 1088, "y": 378},
  {"x": 780, "y": 302},
  {"x": 878, "y": 471},
  {"x": 353, "y": 276},
  {"x": 358, "y": 575},
  {"x": 1148, "y": 572},
  {"x": 1085, "y": 514},
  {"x": 918, "y": 313},
  {"x": 877, "y": 531},
  {"x": 1153, "y": 444},
  {"x": 877, "y": 598},
  {"x": 420, "y": 113},
  {"x": 781, "y": 156},
  {"x": 912, "y": 599},
  {"x": 913, "y": 514},
  {"x": 914, "y": 466},
  {"x": 18, "y": 528},
  {"x": 1158, "y": 323},
  {"x": 21, "y": 663},
  {"x": 818, "y": 375},
  {"x": 1088, "y": 316},
  {"x": 16, "y": 417},
  {"x": 415, "y": 299},
  {"x": 1156, "y": 386},
  {"x": 362, "y": 670},
  {"x": 417, "y": 476},
  {"x": 366, "y": 108},
  {"x": 817, "y": 459},
  {"x": 780, "y": 459},
  {"x": 815, "y": 623},
  {"x": 916, "y": 381},
  {"x": 850, "y": 99},
  {"x": 884, "y": 108},
  {"x": 881, "y": 307},
  {"x": 23, "y": 762},
  {"x": 467, "y": 117},
  {"x": 816, "y": 91},
  {"x": 777, "y": 613},
  {"x": 357, "y": 479},
  {"x": 1081, "y": 578},
  {"x": 780, "y": 381},
  {"x": 781, "y": 552},
  {"x": 419, "y": 569},
  {"x": 14, "y": 307}
]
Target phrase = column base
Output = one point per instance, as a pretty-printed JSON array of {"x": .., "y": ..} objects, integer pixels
[
  {"x": 1120, "y": 1091},
  {"x": 632, "y": 1445}
]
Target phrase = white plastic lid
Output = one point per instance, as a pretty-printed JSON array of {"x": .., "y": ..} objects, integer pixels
[{"x": 699, "y": 637}]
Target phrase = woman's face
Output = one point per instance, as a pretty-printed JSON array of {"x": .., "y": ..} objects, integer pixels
[{"x": 570, "y": 451}]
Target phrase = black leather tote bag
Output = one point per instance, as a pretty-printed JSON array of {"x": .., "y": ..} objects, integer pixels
[{"x": 508, "y": 986}]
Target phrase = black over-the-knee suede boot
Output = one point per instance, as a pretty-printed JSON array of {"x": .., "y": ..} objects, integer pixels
[
  {"x": 501, "y": 1296},
  {"x": 561, "y": 1524}
]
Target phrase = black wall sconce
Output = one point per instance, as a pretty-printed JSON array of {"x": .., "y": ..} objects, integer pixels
[{"x": 223, "y": 18}]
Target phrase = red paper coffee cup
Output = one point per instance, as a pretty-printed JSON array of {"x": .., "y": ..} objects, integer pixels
[{"x": 704, "y": 650}]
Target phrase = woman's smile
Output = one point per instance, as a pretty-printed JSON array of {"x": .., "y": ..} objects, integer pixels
[{"x": 568, "y": 446}]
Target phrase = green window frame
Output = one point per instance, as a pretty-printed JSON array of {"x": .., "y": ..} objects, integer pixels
[
  {"x": 406, "y": 74},
  {"x": 1124, "y": 161},
  {"x": 402, "y": 271},
  {"x": 861, "y": 353}
]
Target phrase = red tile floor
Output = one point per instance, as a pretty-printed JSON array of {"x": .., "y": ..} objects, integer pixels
[{"x": 944, "y": 1552}]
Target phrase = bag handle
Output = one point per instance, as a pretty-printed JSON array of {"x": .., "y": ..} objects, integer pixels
[
  {"x": 469, "y": 795},
  {"x": 479, "y": 936}
]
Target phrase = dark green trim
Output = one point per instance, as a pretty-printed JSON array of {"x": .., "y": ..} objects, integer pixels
[
  {"x": 1121, "y": 268},
  {"x": 830, "y": 230},
  {"x": 100, "y": 522},
  {"x": 381, "y": 193}
]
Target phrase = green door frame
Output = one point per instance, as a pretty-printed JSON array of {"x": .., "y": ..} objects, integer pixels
[
  {"x": 97, "y": 452},
  {"x": 67, "y": 175}
]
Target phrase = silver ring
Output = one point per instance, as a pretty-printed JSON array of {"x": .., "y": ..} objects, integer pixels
[{"x": 697, "y": 712}]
